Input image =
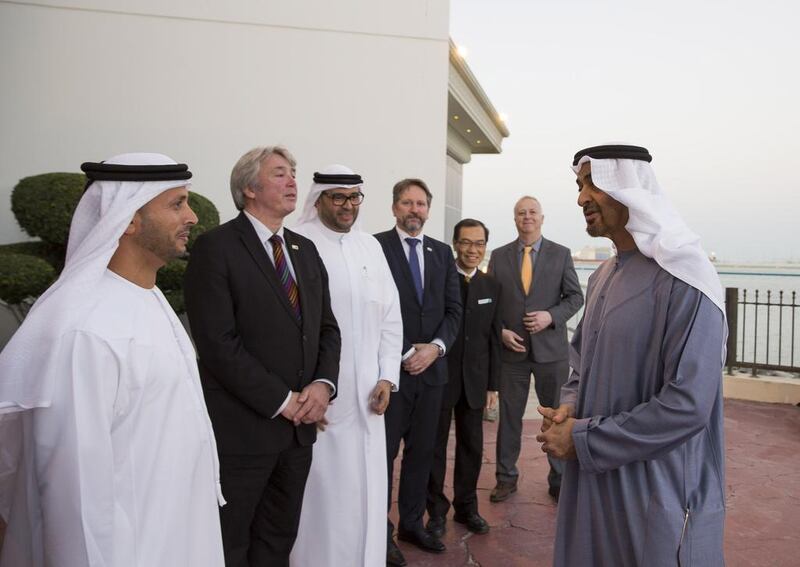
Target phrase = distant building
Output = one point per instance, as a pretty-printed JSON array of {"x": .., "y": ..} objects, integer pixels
[{"x": 594, "y": 253}]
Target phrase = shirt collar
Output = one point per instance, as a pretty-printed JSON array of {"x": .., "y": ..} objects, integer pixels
[
  {"x": 463, "y": 273},
  {"x": 536, "y": 245},
  {"x": 264, "y": 234},
  {"x": 403, "y": 235}
]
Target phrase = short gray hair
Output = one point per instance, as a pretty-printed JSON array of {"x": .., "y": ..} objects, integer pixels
[
  {"x": 526, "y": 197},
  {"x": 245, "y": 172}
]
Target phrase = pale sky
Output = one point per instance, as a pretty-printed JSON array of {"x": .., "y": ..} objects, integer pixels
[{"x": 711, "y": 88}]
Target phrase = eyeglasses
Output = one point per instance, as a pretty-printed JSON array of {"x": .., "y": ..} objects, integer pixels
[
  {"x": 338, "y": 199},
  {"x": 470, "y": 243}
]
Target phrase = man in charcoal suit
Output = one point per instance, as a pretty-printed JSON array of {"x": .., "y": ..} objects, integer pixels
[
  {"x": 260, "y": 313},
  {"x": 540, "y": 291}
]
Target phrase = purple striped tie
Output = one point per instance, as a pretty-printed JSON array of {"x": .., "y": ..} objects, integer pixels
[{"x": 287, "y": 281}]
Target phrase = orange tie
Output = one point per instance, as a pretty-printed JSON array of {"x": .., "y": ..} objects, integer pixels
[{"x": 526, "y": 273}]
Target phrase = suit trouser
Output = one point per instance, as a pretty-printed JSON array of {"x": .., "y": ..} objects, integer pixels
[
  {"x": 469, "y": 453},
  {"x": 515, "y": 385},
  {"x": 412, "y": 416},
  {"x": 264, "y": 495}
]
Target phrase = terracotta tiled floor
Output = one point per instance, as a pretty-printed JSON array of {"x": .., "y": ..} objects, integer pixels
[{"x": 763, "y": 487}]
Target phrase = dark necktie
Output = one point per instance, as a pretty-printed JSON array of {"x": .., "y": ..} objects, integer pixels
[
  {"x": 287, "y": 281},
  {"x": 413, "y": 264}
]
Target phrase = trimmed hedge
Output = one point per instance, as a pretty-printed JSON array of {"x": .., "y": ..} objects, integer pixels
[
  {"x": 51, "y": 253},
  {"x": 43, "y": 204},
  {"x": 23, "y": 276},
  {"x": 207, "y": 216}
]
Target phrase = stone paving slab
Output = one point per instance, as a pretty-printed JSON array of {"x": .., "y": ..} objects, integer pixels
[{"x": 762, "y": 483}]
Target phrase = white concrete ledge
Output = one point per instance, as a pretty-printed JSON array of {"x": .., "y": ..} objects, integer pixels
[{"x": 771, "y": 389}]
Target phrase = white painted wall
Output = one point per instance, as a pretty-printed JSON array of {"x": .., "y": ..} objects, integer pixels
[{"x": 359, "y": 82}]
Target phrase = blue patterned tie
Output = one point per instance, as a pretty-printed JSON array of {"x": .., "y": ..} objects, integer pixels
[{"x": 413, "y": 264}]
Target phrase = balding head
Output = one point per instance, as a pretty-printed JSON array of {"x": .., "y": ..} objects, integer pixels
[{"x": 529, "y": 218}]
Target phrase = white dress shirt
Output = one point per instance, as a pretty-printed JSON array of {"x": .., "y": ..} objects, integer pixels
[{"x": 264, "y": 234}]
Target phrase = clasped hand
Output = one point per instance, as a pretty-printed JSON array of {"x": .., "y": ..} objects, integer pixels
[
  {"x": 537, "y": 321},
  {"x": 309, "y": 405},
  {"x": 425, "y": 355},
  {"x": 556, "y": 434}
]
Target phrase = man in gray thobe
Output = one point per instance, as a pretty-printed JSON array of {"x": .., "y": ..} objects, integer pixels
[{"x": 640, "y": 420}]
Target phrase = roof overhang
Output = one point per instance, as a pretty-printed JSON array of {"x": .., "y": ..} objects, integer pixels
[{"x": 473, "y": 124}]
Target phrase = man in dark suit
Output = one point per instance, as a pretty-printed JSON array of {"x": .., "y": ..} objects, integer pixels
[
  {"x": 258, "y": 304},
  {"x": 430, "y": 301},
  {"x": 540, "y": 291},
  {"x": 473, "y": 365}
]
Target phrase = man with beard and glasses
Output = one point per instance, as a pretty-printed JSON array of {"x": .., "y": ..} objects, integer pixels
[
  {"x": 344, "y": 506},
  {"x": 430, "y": 300},
  {"x": 117, "y": 463},
  {"x": 640, "y": 422}
]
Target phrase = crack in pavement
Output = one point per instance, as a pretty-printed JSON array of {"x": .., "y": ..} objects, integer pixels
[{"x": 465, "y": 546}]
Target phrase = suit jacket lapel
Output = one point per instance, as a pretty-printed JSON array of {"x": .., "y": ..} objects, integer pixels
[
  {"x": 297, "y": 256},
  {"x": 540, "y": 259},
  {"x": 402, "y": 261},
  {"x": 256, "y": 250},
  {"x": 431, "y": 263},
  {"x": 514, "y": 265}
]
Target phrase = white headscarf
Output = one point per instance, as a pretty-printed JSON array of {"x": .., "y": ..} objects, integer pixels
[
  {"x": 657, "y": 228},
  {"x": 309, "y": 213},
  {"x": 29, "y": 364}
]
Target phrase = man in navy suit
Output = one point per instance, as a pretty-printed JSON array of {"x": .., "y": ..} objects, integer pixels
[{"x": 430, "y": 301}]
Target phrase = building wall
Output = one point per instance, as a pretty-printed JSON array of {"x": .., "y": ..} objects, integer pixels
[
  {"x": 359, "y": 82},
  {"x": 454, "y": 181}
]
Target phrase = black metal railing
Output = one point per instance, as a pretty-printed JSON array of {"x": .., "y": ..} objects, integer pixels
[{"x": 762, "y": 330}]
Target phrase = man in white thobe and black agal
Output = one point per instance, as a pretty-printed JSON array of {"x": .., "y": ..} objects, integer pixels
[
  {"x": 344, "y": 506},
  {"x": 640, "y": 420},
  {"x": 117, "y": 464}
]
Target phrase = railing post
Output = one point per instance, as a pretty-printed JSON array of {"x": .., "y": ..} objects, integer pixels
[{"x": 732, "y": 314}]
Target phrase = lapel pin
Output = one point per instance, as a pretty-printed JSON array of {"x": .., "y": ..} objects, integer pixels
[
  {"x": 295, "y": 247},
  {"x": 429, "y": 249}
]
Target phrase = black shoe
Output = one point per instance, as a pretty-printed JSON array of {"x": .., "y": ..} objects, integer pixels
[
  {"x": 394, "y": 556},
  {"x": 555, "y": 492},
  {"x": 502, "y": 491},
  {"x": 436, "y": 526},
  {"x": 474, "y": 523},
  {"x": 422, "y": 539}
]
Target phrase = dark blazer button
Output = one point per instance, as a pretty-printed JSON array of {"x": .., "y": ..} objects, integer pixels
[
  {"x": 304, "y": 338},
  {"x": 300, "y": 374}
]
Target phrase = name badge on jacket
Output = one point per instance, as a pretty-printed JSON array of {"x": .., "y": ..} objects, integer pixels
[{"x": 484, "y": 301}]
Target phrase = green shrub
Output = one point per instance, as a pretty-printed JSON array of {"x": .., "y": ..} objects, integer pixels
[
  {"x": 175, "y": 299},
  {"x": 51, "y": 253},
  {"x": 22, "y": 276},
  {"x": 207, "y": 216},
  {"x": 43, "y": 204},
  {"x": 170, "y": 277}
]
